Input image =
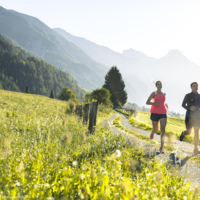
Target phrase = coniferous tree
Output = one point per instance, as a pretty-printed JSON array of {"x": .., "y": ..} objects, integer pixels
[
  {"x": 51, "y": 95},
  {"x": 115, "y": 84},
  {"x": 27, "y": 90}
]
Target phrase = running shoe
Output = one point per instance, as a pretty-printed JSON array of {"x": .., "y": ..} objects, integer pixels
[
  {"x": 161, "y": 150},
  {"x": 151, "y": 136},
  {"x": 181, "y": 136}
]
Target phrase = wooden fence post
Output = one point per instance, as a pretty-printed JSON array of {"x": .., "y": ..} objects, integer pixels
[
  {"x": 72, "y": 107},
  {"x": 93, "y": 116},
  {"x": 80, "y": 111},
  {"x": 86, "y": 112},
  {"x": 77, "y": 109},
  {"x": 95, "y": 113}
]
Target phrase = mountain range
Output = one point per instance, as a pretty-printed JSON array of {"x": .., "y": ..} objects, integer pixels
[
  {"x": 19, "y": 69},
  {"x": 34, "y": 36},
  {"x": 89, "y": 62},
  {"x": 174, "y": 70}
]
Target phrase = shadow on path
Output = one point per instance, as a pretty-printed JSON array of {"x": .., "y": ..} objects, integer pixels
[{"x": 175, "y": 160}]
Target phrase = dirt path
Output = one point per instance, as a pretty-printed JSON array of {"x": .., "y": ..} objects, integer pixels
[{"x": 189, "y": 171}]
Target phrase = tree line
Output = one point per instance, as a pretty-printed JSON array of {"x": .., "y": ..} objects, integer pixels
[
  {"x": 18, "y": 69},
  {"x": 134, "y": 106},
  {"x": 22, "y": 72}
]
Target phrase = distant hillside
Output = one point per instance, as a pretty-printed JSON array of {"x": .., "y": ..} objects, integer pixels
[
  {"x": 134, "y": 106},
  {"x": 174, "y": 70},
  {"x": 109, "y": 57},
  {"x": 34, "y": 36},
  {"x": 18, "y": 68},
  {"x": 97, "y": 52}
]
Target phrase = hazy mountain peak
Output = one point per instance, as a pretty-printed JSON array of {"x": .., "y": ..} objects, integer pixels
[
  {"x": 133, "y": 53},
  {"x": 2, "y": 8},
  {"x": 175, "y": 53}
]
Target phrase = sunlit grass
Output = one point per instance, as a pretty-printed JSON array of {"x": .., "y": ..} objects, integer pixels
[
  {"x": 174, "y": 126},
  {"x": 117, "y": 123},
  {"x": 45, "y": 153}
]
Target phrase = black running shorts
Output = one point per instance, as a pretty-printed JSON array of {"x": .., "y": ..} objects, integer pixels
[{"x": 157, "y": 117}]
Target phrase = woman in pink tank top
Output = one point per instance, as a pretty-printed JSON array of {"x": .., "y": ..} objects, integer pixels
[{"x": 158, "y": 112}]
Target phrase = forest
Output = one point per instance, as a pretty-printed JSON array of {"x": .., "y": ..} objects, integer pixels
[{"x": 19, "y": 68}]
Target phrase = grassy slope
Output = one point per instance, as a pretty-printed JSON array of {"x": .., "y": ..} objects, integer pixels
[
  {"x": 174, "y": 125},
  {"x": 117, "y": 124},
  {"x": 46, "y": 153}
]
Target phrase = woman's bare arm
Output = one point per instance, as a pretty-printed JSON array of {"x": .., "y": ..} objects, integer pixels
[
  {"x": 150, "y": 98},
  {"x": 166, "y": 103}
]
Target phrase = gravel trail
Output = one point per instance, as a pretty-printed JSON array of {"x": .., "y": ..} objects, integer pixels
[{"x": 189, "y": 170}]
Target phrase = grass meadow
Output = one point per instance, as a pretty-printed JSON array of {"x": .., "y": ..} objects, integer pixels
[
  {"x": 174, "y": 126},
  {"x": 46, "y": 153}
]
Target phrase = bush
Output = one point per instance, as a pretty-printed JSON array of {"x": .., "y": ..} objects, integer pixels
[
  {"x": 67, "y": 95},
  {"x": 102, "y": 96}
]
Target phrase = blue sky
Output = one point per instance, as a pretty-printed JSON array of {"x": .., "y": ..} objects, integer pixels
[{"x": 151, "y": 26}]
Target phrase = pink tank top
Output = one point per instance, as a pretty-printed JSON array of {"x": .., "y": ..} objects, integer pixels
[{"x": 159, "y": 109}]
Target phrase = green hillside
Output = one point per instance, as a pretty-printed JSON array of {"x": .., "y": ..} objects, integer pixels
[
  {"x": 39, "y": 39},
  {"x": 47, "y": 154},
  {"x": 18, "y": 68}
]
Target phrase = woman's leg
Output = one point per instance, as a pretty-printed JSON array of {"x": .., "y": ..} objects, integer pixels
[
  {"x": 196, "y": 139},
  {"x": 186, "y": 132},
  {"x": 155, "y": 127},
  {"x": 163, "y": 122}
]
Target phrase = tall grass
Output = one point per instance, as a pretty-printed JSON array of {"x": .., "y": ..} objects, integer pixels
[{"x": 46, "y": 154}]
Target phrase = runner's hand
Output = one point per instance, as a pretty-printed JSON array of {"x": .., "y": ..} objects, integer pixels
[
  {"x": 157, "y": 103},
  {"x": 166, "y": 106},
  {"x": 193, "y": 108}
]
